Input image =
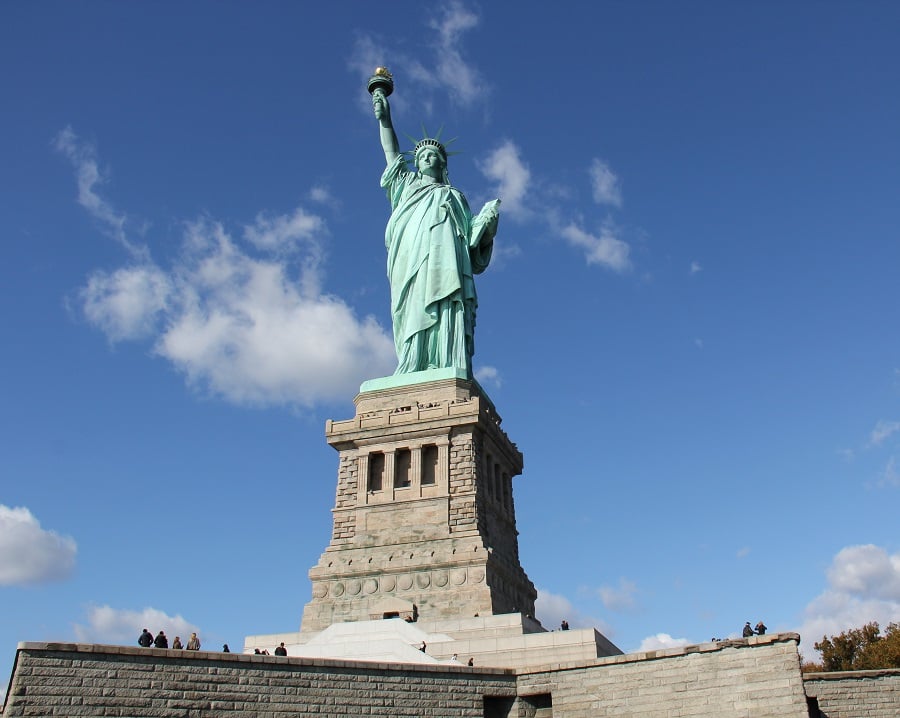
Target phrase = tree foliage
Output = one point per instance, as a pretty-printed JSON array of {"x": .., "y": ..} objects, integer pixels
[{"x": 859, "y": 649}]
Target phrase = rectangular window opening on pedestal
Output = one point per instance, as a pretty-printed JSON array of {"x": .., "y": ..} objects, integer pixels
[
  {"x": 402, "y": 468},
  {"x": 429, "y": 464},
  {"x": 376, "y": 472}
]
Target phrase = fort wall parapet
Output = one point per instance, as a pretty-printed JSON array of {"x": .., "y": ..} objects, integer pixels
[
  {"x": 757, "y": 677},
  {"x": 856, "y": 694}
]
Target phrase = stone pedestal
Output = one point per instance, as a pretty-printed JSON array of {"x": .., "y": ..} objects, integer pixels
[{"x": 424, "y": 520}]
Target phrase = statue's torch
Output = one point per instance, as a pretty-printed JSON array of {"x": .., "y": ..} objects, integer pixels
[{"x": 382, "y": 80}]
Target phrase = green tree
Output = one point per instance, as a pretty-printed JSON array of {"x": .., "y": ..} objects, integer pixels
[{"x": 859, "y": 649}]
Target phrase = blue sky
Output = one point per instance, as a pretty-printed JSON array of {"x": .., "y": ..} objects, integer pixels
[{"x": 689, "y": 325}]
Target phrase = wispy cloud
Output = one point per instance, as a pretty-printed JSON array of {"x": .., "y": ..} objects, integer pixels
[
  {"x": 105, "y": 624},
  {"x": 603, "y": 247},
  {"x": 661, "y": 641},
  {"x": 605, "y": 184},
  {"x": 284, "y": 233},
  {"x": 695, "y": 267},
  {"x": 128, "y": 302},
  {"x": 620, "y": 597},
  {"x": 445, "y": 69},
  {"x": 890, "y": 474},
  {"x": 551, "y": 609},
  {"x": 505, "y": 166},
  {"x": 882, "y": 432},
  {"x": 864, "y": 586},
  {"x": 89, "y": 176},
  {"x": 488, "y": 376},
  {"x": 461, "y": 79},
  {"x": 30, "y": 554},
  {"x": 322, "y": 195},
  {"x": 244, "y": 319}
]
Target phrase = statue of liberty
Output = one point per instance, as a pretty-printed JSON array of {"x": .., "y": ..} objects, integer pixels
[{"x": 434, "y": 247}]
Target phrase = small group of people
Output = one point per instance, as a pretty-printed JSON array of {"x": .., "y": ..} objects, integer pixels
[
  {"x": 748, "y": 631},
  {"x": 280, "y": 650},
  {"x": 146, "y": 640},
  {"x": 455, "y": 659}
]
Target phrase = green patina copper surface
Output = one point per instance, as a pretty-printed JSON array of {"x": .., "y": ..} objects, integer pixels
[
  {"x": 435, "y": 246},
  {"x": 417, "y": 377}
]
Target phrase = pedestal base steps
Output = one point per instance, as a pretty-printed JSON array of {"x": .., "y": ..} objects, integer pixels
[{"x": 501, "y": 641}]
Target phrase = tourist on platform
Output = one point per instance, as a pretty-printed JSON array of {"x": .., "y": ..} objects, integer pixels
[
  {"x": 145, "y": 639},
  {"x": 161, "y": 641},
  {"x": 760, "y": 629},
  {"x": 193, "y": 643},
  {"x": 176, "y": 644},
  {"x": 226, "y": 649},
  {"x": 281, "y": 650},
  {"x": 423, "y": 647},
  {"x": 748, "y": 630},
  {"x": 471, "y": 661},
  {"x": 564, "y": 626}
]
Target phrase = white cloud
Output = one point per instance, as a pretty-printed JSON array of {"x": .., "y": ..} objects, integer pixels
[
  {"x": 461, "y": 80},
  {"x": 122, "y": 626},
  {"x": 323, "y": 195},
  {"x": 866, "y": 571},
  {"x": 488, "y": 375},
  {"x": 890, "y": 475},
  {"x": 618, "y": 598},
  {"x": 864, "y": 586},
  {"x": 83, "y": 156},
  {"x": 247, "y": 321},
  {"x": 605, "y": 184},
  {"x": 695, "y": 267},
  {"x": 505, "y": 166},
  {"x": 743, "y": 552},
  {"x": 661, "y": 641},
  {"x": 445, "y": 71},
  {"x": 245, "y": 329},
  {"x": 883, "y": 430},
  {"x": 605, "y": 249},
  {"x": 283, "y": 232},
  {"x": 30, "y": 554},
  {"x": 551, "y": 609},
  {"x": 127, "y": 303}
]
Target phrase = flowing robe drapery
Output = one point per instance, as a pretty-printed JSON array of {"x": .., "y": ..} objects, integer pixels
[{"x": 434, "y": 247}]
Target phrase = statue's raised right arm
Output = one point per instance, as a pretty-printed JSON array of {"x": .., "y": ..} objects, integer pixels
[{"x": 389, "y": 142}]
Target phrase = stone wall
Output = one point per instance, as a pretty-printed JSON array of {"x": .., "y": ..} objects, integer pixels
[
  {"x": 85, "y": 680},
  {"x": 855, "y": 694},
  {"x": 758, "y": 677}
]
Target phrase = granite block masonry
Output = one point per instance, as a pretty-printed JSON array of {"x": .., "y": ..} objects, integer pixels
[
  {"x": 424, "y": 523},
  {"x": 757, "y": 677}
]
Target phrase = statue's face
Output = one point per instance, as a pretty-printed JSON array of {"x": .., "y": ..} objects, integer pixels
[{"x": 430, "y": 162}]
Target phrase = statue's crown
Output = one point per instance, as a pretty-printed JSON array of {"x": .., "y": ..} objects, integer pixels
[{"x": 430, "y": 143}]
